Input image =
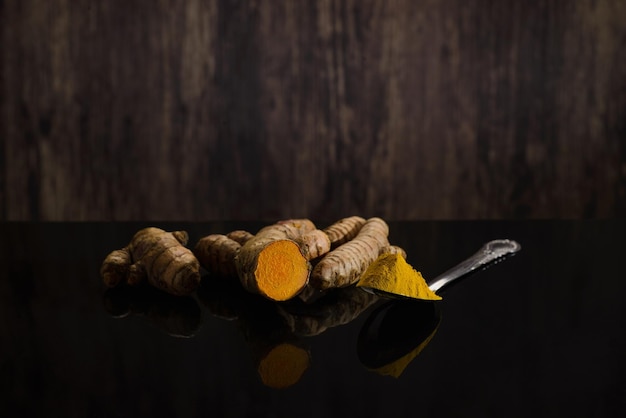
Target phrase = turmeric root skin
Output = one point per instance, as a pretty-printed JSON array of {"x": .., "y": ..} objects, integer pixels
[
  {"x": 240, "y": 236},
  {"x": 314, "y": 244},
  {"x": 216, "y": 253},
  {"x": 116, "y": 267},
  {"x": 158, "y": 256},
  {"x": 344, "y": 265},
  {"x": 344, "y": 230},
  {"x": 394, "y": 249},
  {"x": 169, "y": 265}
]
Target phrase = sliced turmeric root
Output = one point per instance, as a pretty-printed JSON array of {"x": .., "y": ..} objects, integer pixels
[{"x": 272, "y": 264}]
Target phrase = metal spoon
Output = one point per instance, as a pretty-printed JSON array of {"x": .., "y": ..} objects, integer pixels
[
  {"x": 398, "y": 330},
  {"x": 490, "y": 253}
]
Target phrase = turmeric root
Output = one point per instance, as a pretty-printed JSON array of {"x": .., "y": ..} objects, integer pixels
[
  {"x": 116, "y": 267},
  {"x": 393, "y": 249},
  {"x": 310, "y": 294},
  {"x": 344, "y": 265},
  {"x": 272, "y": 264},
  {"x": 158, "y": 256},
  {"x": 216, "y": 253},
  {"x": 344, "y": 230},
  {"x": 314, "y": 244},
  {"x": 301, "y": 226},
  {"x": 240, "y": 236}
]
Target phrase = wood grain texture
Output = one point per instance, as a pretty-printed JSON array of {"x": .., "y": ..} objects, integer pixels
[{"x": 196, "y": 110}]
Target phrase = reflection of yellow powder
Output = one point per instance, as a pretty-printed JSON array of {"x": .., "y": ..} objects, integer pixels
[
  {"x": 392, "y": 274},
  {"x": 396, "y": 368}
]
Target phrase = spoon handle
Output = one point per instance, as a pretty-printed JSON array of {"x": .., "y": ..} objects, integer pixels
[{"x": 488, "y": 253}]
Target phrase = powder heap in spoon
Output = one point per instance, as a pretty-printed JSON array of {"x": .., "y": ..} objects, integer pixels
[{"x": 392, "y": 275}]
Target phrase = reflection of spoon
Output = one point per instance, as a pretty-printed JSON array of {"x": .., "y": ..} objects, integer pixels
[{"x": 396, "y": 332}]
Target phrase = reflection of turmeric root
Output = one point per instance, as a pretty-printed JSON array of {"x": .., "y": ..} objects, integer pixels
[
  {"x": 338, "y": 307},
  {"x": 177, "y": 316},
  {"x": 224, "y": 299},
  {"x": 280, "y": 356},
  {"x": 158, "y": 256},
  {"x": 282, "y": 365}
]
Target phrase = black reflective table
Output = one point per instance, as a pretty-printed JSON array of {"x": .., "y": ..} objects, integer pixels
[{"x": 542, "y": 333}]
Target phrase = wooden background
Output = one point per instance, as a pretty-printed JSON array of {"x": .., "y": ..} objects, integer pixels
[{"x": 407, "y": 109}]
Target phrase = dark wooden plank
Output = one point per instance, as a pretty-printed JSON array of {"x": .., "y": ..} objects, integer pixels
[{"x": 195, "y": 110}]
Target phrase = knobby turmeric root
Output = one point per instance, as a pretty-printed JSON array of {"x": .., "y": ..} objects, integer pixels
[
  {"x": 216, "y": 253},
  {"x": 344, "y": 230},
  {"x": 240, "y": 236},
  {"x": 116, "y": 267},
  {"x": 393, "y": 249},
  {"x": 275, "y": 262},
  {"x": 313, "y": 242},
  {"x": 344, "y": 265},
  {"x": 157, "y": 256}
]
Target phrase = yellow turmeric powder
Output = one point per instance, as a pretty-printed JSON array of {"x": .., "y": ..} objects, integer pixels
[
  {"x": 391, "y": 274},
  {"x": 282, "y": 269}
]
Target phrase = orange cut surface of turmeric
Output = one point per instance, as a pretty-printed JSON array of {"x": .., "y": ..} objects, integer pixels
[
  {"x": 272, "y": 262},
  {"x": 391, "y": 274},
  {"x": 282, "y": 270}
]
